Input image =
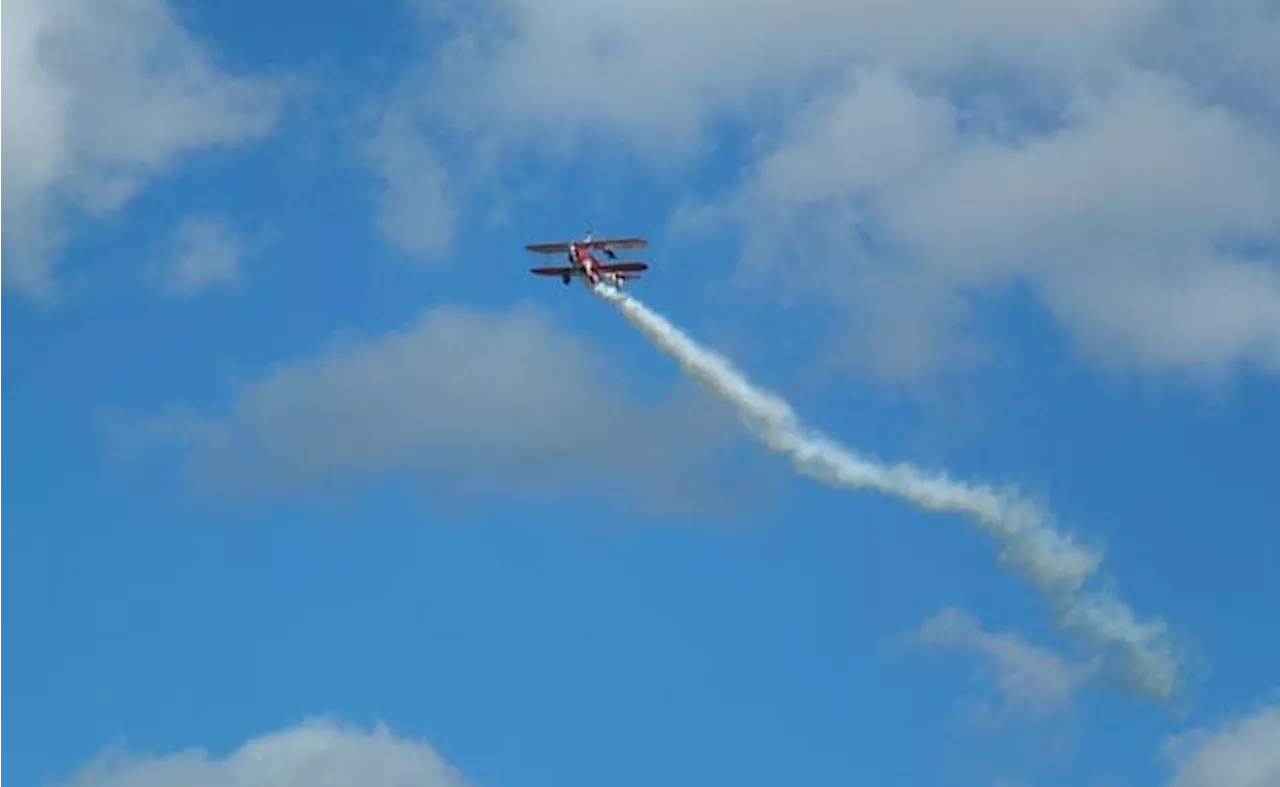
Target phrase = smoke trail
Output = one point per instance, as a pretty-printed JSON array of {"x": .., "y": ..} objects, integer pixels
[{"x": 1050, "y": 560}]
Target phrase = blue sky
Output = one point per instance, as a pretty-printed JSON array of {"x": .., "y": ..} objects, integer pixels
[{"x": 298, "y": 447}]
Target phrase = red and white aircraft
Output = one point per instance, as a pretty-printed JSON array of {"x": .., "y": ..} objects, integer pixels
[{"x": 585, "y": 265}]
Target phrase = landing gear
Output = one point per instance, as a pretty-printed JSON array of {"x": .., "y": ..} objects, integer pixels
[{"x": 565, "y": 279}]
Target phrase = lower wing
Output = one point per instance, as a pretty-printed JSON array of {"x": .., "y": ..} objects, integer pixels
[
  {"x": 551, "y": 271},
  {"x": 623, "y": 267}
]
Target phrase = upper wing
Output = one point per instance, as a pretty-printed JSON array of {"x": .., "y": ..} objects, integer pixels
[
  {"x": 547, "y": 248},
  {"x": 551, "y": 271},
  {"x": 623, "y": 267},
  {"x": 618, "y": 243}
]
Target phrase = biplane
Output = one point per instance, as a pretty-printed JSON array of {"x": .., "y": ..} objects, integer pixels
[{"x": 585, "y": 265}]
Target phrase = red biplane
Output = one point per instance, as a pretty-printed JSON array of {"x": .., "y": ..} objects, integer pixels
[{"x": 585, "y": 265}]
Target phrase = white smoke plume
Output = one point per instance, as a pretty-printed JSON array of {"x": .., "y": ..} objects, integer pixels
[{"x": 1030, "y": 546}]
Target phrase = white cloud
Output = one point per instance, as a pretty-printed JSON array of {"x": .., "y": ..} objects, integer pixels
[
  {"x": 203, "y": 252},
  {"x": 316, "y": 753},
  {"x": 1119, "y": 161},
  {"x": 1243, "y": 752},
  {"x": 1122, "y": 219},
  {"x": 1031, "y": 680},
  {"x": 466, "y": 401},
  {"x": 101, "y": 96},
  {"x": 643, "y": 68}
]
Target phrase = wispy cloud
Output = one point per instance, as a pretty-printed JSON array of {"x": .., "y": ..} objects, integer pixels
[
  {"x": 202, "y": 252},
  {"x": 1030, "y": 680},
  {"x": 414, "y": 212},
  {"x": 100, "y": 97}
]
